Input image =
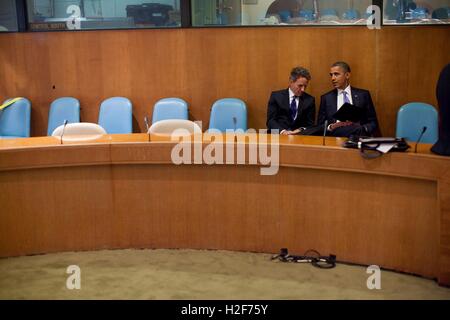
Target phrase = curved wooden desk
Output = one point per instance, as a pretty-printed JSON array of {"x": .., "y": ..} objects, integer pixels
[{"x": 124, "y": 192}]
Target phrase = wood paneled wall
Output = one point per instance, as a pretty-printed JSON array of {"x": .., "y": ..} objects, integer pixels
[{"x": 397, "y": 64}]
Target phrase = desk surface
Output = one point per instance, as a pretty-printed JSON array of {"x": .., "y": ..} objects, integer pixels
[
  {"x": 142, "y": 137},
  {"x": 121, "y": 191}
]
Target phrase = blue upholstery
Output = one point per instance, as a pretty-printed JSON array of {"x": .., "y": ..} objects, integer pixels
[
  {"x": 307, "y": 14},
  {"x": 412, "y": 117},
  {"x": 15, "y": 120},
  {"x": 420, "y": 13},
  {"x": 116, "y": 115},
  {"x": 285, "y": 15},
  {"x": 328, "y": 12},
  {"x": 170, "y": 108},
  {"x": 229, "y": 113},
  {"x": 62, "y": 109},
  {"x": 351, "y": 14}
]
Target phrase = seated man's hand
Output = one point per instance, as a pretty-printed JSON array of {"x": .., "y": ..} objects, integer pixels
[
  {"x": 340, "y": 124},
  {"x": 296, "y": 131},
  {"x": 290, "y": 132}
]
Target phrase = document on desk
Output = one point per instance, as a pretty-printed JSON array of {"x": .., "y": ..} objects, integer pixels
[{"x": 385, "y": 147}]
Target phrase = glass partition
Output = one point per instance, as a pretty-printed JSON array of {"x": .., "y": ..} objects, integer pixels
[
  {"x": 102, "y": 14},
  {"x": 8, "y": 16},
  {"x": 279, "y": 12},
  {"x": 416, "y": 12}
]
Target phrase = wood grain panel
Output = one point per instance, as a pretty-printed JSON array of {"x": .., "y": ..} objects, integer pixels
[
  {"x": 50, "y": 209},
  {"x": 219, "y": 208},
  {"x": 397, "y": 64},
  {"x": 222, "y": 207},
  {"x": 444, "y": 201},
  {"x": 124, "y": 192}
]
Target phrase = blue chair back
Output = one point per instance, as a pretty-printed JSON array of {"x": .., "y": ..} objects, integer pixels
[
  {"x": 170, "y": 108},
  {"x": 228, "y": 113},
  {"x": 285, "y": 15},
  {"x": 412, "y": 117},
  {"x": 420, "y": 13},
  {"x": 307, "y": 14},
  {"x": 15, "y": 120},
  {"x": 116, "y": 115},
  {"x": 328, "y": 12},
  {"x": 351, "y": 14},
  {"x": 62, "y": 109}
]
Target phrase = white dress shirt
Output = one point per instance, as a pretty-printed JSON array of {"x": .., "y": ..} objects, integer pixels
[{"x": 340, "y": 100}]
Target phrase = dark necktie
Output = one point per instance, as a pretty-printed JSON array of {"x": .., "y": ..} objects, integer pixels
[{"x": 294, "y": 107}]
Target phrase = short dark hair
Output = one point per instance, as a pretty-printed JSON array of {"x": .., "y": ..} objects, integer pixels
[
  {"x": 343, "y": 65},
  {"x": 300, "y": 72}
]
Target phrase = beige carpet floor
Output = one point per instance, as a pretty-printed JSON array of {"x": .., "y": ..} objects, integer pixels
[{"x": 192, "y": 274}]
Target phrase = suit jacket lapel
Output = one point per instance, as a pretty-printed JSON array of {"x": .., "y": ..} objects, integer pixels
[
  {"x": 301, "y": 103},
  {"x": 355, "y": 97},
  {"x": 286, "y": 102},
  {"x": 333, "y": 102}
]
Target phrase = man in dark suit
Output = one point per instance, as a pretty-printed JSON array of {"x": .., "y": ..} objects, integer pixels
[
  {"x": 291, "y": 110},
  {"x": 342, "y": 93},
  {"x": 443, "y": 97}
]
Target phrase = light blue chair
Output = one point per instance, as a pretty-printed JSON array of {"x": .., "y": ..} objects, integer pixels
[
  {"x": 170, "y": 108},
  {"x": 329, "y": 13},
  {"x": 351, "y": 14},
  {"x": 116, "y": 115},
  {"x": 15, "y": 120},
  {"x": 420, "y": 13},
  {"x": 307, "y": 14},
  {"x": 285, "y": 15},
  {"x": 66, "y": 108},
  {"x": 228, "y": 114},
  {"x": 412, "y": 117}
]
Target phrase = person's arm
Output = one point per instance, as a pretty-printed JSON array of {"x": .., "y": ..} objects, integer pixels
[
  {"x": 272, "y": 115},
  {"x": 323, "y": 114},
  {"x": 310, "y": 115},
  {"x": 372, "y": 123},
  {"x": 322, "y": 111}
]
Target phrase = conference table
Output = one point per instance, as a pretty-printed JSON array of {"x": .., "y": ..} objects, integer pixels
[{"x": 126, "y": 191}]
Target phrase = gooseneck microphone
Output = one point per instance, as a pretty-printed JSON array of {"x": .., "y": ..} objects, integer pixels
[
  {"x": 64, "y": 128},
  {"x": 324, "y": 132},
  {"x": 234, "y": 123},
  {"x": 147, "y": 127},
  {"x": 420, "y": 137}
]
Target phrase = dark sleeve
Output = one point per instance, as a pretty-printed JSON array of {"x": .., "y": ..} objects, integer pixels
[
  {"x": 322, "y": 111},
  {"x": 371, "y": 123},
  {"x": 311, "y": 114},
  {"x": 272, "y": 114}
]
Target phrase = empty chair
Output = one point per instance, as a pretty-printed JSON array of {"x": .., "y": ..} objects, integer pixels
[
  {"x": 228, "y": 114},
  {"x": 412, "y": 117},
  {"x": 15, "y": 120},
  {"x": 307, "y": 15},
  {"x": 178, "y": 127},
  {"x": 62, "y": 109},
  {"x": 81, "y": 131},
  {"x": 420, "y": 13},
  {"x": 285, "y": 15},
  {"x": 350, "y": 14},
  {"x": 170, "y": 108},
  {"x": 328, "y": 15},
  {"x": 116, "y": 115}
]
